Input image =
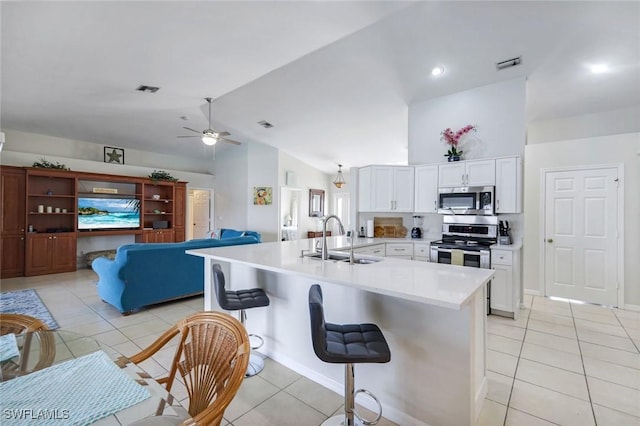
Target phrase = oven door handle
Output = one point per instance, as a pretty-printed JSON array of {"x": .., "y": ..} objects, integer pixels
[{"x": 473, "y": 253}]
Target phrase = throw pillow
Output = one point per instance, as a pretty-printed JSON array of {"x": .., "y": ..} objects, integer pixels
[{"x": 214, "y": 233}]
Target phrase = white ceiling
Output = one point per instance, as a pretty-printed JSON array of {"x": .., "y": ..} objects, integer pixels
[{"x": 335, "y": 78}]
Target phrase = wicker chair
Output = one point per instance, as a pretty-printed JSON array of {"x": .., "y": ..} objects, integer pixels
[
  {"x": 211, "y": 357},
  {"x": 17, "y": 324}
]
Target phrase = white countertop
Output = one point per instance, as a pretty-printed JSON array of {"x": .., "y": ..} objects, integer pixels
[
  {"x": 431, "y": 283},
  {"x": 514, "y": 246}
]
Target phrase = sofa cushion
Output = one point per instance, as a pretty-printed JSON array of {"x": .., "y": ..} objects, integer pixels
[{"x": 230, "y": 233}]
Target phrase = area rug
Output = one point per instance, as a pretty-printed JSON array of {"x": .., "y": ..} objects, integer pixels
[{"x": 26, "y": 302}]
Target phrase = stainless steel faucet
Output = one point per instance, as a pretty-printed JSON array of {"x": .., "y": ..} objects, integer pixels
[{"x": 325, "y": 251}]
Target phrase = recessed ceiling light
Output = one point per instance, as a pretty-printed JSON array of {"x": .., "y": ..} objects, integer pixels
[
  {"x": 437, "y": 70},
  {"x": 265, "y": 124},
  {"x": 599, "y": 68}
]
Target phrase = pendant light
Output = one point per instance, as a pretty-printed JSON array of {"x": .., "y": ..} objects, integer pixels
[{"x": 339, "y": 181}]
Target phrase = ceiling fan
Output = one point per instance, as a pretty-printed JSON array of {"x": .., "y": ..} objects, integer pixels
[{"x": 209, "y": 136}]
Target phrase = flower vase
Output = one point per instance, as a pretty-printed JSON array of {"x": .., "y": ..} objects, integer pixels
[{"x": 454, "y": 158}]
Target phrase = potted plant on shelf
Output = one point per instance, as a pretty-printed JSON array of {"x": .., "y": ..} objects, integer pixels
[
  {"x": 159, "y": 175},
  {"x": 452, "y": 139},
  {"x": 44, "y": 164}
]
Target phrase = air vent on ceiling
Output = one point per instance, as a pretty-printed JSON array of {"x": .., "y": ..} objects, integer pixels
[
  {"x": 509, "y": 63},
  {"x": 149, "y": 89},
  {"x": 265, "y": 124}
]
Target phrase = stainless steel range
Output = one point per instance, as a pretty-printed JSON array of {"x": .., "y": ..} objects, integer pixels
[
  {"x": 471, "y": 235},
  {"x": 466, "y": 241}
]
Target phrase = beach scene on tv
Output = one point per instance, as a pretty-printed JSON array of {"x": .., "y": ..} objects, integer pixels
[{"x": 108, "y": 213}]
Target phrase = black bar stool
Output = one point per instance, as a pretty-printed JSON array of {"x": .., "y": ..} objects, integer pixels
[
  {"x": 241, "y": 300},
  {"x": 346, "y": 344}
]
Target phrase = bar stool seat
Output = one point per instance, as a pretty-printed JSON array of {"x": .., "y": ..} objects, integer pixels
[
  {"x": 346, "y": 344},
  {"x": 240, "y": 300}
]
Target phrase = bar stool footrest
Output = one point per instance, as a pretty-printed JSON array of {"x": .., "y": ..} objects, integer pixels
[
  {"x": 360, "y": 418},
  {"x": 257, "y": 337}
]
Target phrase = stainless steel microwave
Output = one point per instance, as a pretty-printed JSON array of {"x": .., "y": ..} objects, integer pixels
[{"x": 478, "y": 200}]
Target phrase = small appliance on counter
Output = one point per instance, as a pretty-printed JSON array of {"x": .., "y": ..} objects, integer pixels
[
  {"x": 416, "y": 231},
  {"x": 504, "y": 233}
]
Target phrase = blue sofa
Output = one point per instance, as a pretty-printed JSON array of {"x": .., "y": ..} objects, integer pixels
[{"x": 149, "y": 273}]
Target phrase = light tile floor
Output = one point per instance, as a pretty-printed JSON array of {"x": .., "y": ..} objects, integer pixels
[{"x": 559, "y": 363}]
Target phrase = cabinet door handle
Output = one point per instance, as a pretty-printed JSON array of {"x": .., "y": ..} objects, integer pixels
[
  {"x": 497, "y": 204},
  {"x": 435, "y": 205}
]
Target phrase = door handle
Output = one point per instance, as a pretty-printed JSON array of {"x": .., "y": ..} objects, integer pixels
[{"x": 549, "y": 240}]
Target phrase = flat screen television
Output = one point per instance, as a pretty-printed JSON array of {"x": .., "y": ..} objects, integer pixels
[{"x": 108, "y": 213}]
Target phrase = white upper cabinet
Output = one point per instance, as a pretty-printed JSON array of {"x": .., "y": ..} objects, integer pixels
[
  {"x": 509, "y": 185},
  {"x": 467, "y": 173},
  {"x": 386, "y": 189},
  {"x": 426, "y": 189}
]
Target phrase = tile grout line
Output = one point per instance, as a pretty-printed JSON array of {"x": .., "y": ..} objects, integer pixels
[
  {"x": 593, "y": 411},
  {"x": 524, "y": 336},
  {"x": 626, "y": 332}
]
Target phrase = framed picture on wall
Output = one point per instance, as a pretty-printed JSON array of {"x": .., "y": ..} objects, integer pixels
[
  {"x": 113, "y": 155},
  {"x": 262, "y": 195},
  {"x": 316, "y": 203}
]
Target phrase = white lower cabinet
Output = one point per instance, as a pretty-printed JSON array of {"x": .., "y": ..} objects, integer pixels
[
  {"x": 505, "y": 285},
  {"x": 374, "y": 250},
  {"x": 399, "y": 250},
  {"x": 421, "y": 252}
]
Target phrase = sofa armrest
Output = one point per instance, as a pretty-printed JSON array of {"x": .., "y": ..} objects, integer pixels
[{"x": 111, "y": 286}]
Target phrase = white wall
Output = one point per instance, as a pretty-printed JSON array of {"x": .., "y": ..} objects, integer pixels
[
  {"x": 605, "y": 123},
  {"x": 307, "y": 178},
  {"x": 230, "y": 188},
  {"x": 498, "y": 111},
  {"x": 262, "y": 168},
  {"x": 49, "y": 146},
  {"x": 614, "y": 149}
]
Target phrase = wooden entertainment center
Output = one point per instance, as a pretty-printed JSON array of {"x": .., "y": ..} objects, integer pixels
[{"x": 39, "y": 215}]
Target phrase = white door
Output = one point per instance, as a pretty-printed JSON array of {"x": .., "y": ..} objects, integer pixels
[
  {"x": 201, "y": 213},
  {"x": 581, "y": 224}
]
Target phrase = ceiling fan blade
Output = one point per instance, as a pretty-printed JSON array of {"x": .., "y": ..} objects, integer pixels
[
  {"x": 188, "y": 136},
  {"x": 223, "y": 134},
  {"x": 193, "y": 130},
  {"x": 230, "y": 141}
]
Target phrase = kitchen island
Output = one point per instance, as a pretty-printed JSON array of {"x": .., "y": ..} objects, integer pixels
[{"x": 432, "y": 315}]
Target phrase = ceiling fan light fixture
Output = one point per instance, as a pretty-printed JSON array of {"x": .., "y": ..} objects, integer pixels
[
  {"x": 339, "y": 181},
  {"x": 437, "y": 70},
  {"x": 209, "y": 140}
]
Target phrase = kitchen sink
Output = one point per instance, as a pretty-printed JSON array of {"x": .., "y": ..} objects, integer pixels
[{"x": 343, "y": 257}]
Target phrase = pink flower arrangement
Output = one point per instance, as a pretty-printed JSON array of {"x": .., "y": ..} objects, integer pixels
[{"x": 453, "y": 138}]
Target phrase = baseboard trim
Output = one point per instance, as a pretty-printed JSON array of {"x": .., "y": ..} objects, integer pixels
[
  {"x": 532, "y": 292},
  {"x": 629, "y": 307}
]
